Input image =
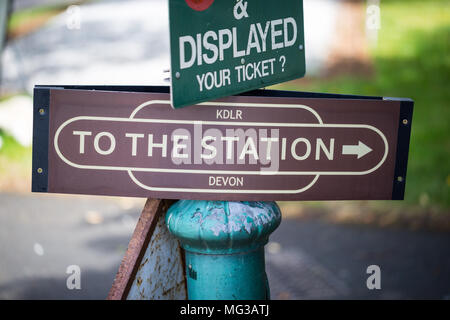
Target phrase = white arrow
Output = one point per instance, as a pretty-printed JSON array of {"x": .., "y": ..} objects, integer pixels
[{"x": 360, "y": 149}]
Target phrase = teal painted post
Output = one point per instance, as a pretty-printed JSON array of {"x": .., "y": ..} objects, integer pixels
[{"x": 224, "y": 244}]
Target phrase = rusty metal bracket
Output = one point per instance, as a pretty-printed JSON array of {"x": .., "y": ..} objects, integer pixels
[{"x": 152, "y": 267}]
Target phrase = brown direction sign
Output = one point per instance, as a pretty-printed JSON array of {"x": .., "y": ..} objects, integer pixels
[{"x": 264, "y": 145}]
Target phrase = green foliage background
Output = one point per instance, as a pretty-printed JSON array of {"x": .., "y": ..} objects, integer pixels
[{"x": 412, "y": 59}]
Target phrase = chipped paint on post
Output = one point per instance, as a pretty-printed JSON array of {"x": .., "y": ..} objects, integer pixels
[
  {"x": 230, "y": 226},
  {"x": 231, "y": 217},
  {"x": 224, "y": 245}
]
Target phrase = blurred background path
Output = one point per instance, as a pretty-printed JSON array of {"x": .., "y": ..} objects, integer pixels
[
  {"x": 321, "y": 250},
  {"x": 122, "y": 42},
  {"x": 306, "y": 259}
]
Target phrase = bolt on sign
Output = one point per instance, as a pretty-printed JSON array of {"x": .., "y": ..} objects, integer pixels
[
  {"x": 220, "y": 48},
  {"x": 263, "y": 145}
]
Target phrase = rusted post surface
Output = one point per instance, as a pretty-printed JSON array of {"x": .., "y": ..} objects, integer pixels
[{"x": 144, "y": 265}]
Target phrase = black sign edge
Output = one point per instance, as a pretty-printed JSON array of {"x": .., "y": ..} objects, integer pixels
[
  {"x": 403, "y": 142},
  {"x": 255, "y": 93},
  {"x": 41, "y": 119}
]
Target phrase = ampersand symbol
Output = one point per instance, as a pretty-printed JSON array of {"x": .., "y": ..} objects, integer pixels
[{"x": 242, "y": 7}]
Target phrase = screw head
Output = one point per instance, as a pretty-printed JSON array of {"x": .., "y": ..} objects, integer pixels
[
  {"x": 177, "y": 75},
  {"x": 405, "y": 121},
  {"x": 242, "y": 60},
  {"x": 41, "y": 111},
  {"x": 400, "y": 179},
  {"x": 300, "y": 47},
  {"x": 39, "y": 170}
]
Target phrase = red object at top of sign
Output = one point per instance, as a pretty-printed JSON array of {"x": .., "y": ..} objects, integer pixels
[{"x": 199, "y": 5}]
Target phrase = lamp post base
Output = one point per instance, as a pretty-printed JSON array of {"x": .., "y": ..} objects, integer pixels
[{"x": 224, "y": 244}]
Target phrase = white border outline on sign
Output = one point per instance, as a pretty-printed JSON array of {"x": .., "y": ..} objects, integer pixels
[{"x": 130, "y": 170}]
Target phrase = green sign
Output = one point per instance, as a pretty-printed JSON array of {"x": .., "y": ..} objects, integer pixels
[{"x": 222, "y": 47}]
